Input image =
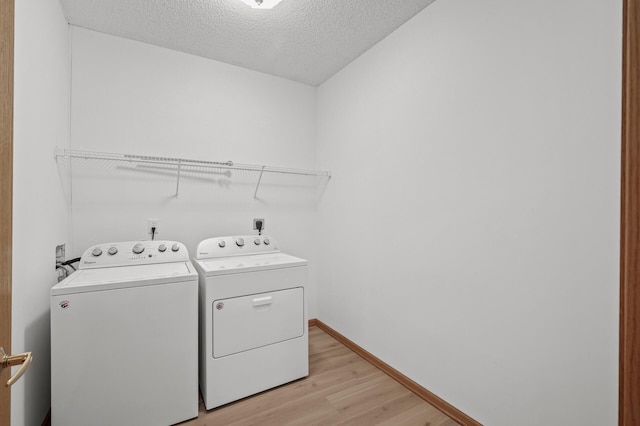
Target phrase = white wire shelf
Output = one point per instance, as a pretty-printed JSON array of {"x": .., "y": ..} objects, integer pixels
[{"x": 185, "y": 164}]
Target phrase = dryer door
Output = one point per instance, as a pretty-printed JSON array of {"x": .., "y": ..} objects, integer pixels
[{"x": 249, "y": 322}]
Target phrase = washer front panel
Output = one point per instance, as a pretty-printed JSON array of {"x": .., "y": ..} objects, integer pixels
[{"x": 114, "y": 352}]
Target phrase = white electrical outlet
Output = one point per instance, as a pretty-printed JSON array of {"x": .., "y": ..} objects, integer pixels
[
  {"x": 153, "y": 223},
  {"x": 255, "y": 223}
]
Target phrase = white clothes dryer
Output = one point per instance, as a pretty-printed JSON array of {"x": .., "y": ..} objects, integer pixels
[
  {"x": 253, "y": 317},
  {"x": 124, "y": 337}
]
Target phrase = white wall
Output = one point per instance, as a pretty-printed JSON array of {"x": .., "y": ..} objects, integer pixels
[
  {"x": 134, "y": 98},
  {"x": 469, "y": 236},
  {"x": 40, "y": 215},
  {"x": 470, "y": 231}
]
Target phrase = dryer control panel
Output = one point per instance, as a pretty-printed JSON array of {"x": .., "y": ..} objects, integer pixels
[
  {"x": 236, "y": 246},
  {"x": 131, "y": 253}
]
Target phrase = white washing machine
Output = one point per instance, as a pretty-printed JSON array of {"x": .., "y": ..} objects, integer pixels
[
  {"x": 124, "y": 337},
  {"x": 253, "y": 318}
]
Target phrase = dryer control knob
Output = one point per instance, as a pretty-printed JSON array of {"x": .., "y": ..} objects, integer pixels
[
  {"x": 257, "y": 241},
  {"x": 266, "y": 241},
  {"x": 175, "y": 247},
  {"x": 221, "y": 244},
  {"x": 240, "y": 242},
  {"x": 96, "y": 251},
  {"x": 112, "y": 250},
  {"x": 162, "y": 248},
  {"x": 138, "y": 248}
]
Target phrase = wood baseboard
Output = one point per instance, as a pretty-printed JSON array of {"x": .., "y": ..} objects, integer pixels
[{"x": 414, "y": 387}]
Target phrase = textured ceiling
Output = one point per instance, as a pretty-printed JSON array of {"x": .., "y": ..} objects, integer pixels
[{"x": 302, "y": 40}]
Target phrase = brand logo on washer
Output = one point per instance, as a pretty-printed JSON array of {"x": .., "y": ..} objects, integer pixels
[{"x": 64, "y": 304}]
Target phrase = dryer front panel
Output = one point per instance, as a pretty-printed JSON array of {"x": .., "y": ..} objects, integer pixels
[{"x": 248, "y": 322}]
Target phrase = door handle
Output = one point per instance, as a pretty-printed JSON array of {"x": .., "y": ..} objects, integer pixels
[
  {"x": 260, "y": 301},
  {"x": 24, "y": 360}
]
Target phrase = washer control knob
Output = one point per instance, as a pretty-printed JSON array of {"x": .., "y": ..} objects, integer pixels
[
  {"x": 257, "y": 241},
  {"x": 96, "y": 252},
  {"x": 221, "y": 244},
  {"x": 162, "y": 248},
  {"x": 112, "y": 250},
  {"x": 138, "y": 248},
  {"x": 175, "y": 247},
  {"x": 266, "y": 241},
  {"x": 240, "y": 242}
]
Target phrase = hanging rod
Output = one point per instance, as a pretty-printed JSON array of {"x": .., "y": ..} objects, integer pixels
[{"x": 182, "y": 163}]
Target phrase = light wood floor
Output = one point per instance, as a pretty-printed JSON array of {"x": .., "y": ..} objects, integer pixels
[{"x": 341, "y": 389}]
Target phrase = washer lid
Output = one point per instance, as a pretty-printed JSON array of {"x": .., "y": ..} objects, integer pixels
[
  {"x": 87, "y": 280},
  {"x": 239, "y": 264}
]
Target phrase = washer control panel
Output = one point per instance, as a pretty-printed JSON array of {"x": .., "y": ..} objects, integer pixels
[
  {"x": 236, "y": 246},
  {"x": 130, "y": 253}
]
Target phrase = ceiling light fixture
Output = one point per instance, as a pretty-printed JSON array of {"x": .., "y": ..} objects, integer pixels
[{"x": 261, "y": 4}]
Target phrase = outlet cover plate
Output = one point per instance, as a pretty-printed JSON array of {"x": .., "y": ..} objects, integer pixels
[
  {"x": 151, "y": 223},
  {"x": 255, "y": 223}
]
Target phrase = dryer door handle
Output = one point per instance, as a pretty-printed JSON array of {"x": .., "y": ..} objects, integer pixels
[{"x": 259, "y": 301}]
